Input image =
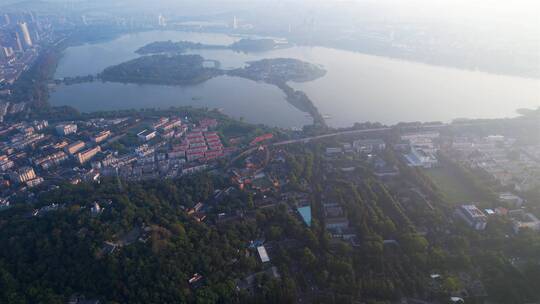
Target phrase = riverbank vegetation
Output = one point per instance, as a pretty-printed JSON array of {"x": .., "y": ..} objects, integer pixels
[
  {"x": 243, "y": 45},
  {"x": 175, "y": 47}
]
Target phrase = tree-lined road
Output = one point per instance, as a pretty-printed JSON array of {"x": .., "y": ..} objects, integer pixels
[{"x": 308, "y": 139}]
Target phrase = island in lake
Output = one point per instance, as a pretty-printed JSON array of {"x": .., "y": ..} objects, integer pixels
[
  {"x": 279, "y": 71},
  {"x": 176, "y": 47},
  {"x": 161, "y": 69},
  {"x": 175, "y": 69},
  {"x": 243, "y": 45}
]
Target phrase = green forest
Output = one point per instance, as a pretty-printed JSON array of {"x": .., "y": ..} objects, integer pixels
[{"x": 51, "y": 256}]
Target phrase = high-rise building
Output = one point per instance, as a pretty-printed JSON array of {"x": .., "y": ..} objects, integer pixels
[
  {"x": 161, "y": 21},
  {"x": 3, "y": 53},
  {"x": 235, "y": 23},
  {"x": 18, "y": 42},
  {"x": 32, "y": 16},
  {"x": 26, "y": 34},
  {"x": 6, "y": 52},
  {"x": 7, "y": 19}
]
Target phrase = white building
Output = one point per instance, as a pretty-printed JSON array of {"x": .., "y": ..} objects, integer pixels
[
  {"x": 34, "y": 182},
  {"x": 473, "y": 216},
  {"x": 336, "y": 150},
  {"x": 23, "y": 175},
  {"x": 420, "y": 135},
  {"x": 66, "y": 129},
  {"x": 418, "y": 157},
  {"x": 26, "y": 34},
  {"x": 369, "y": 145},
  {"x": 96, "y": 209},
  {"x": 146, "y": 135},
  {"x": 263, "y": 254},
  {"x": 511, "y": 198}
]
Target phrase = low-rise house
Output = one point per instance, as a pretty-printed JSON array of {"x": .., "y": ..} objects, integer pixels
[
  {"x": 333, "y": 150},
  {"x": 263, "y": 255},
  {"x": 195, "y": 208},
  {"x": 259, "y": 139},
  {"x": 195, "y": 280},
  {"x": 160, "y": 123},
  {"x": 523, "y": 220},
  {"x": 171, "y": 125},
  {"x": 23, "y": 175},
  {"x": 96, "y": 209},
  {"x": 4, "y": 203},
  {"x": 194, "y": 169},
  {"x": 144, "y": 150},
  {"x": 336, "y": 223},
  {"x": 335, "y": 218},
  {"x": 6, "y": 163},
  {"x": 511, "y": 199},
  {"x": 208, "y": 123}
]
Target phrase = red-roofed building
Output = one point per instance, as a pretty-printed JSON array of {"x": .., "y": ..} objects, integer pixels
[
  {"x": 194, "y": 134},
  {"x": 181, "y": 146},
  {"x": 208, "y": 122},
  {"x": 261, "y": 138},
  {"x": 213, "y": 154},
  {"x": 194, "y": 140},
  {"x": 213, "y": 141},
  {"x": 199, "y": 129},
  {"x": 173, "y": 124},
  {"x": 197, "y": 149},
  {"x": 194, "y": 156},
  {"x": 215, "y": 147},
  {"x": 212, "y": 137}
]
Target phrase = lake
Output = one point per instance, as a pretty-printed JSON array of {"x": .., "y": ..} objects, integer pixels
[
  {"x": 356, "y": 88},
  {"x": 240, "y": 98}
]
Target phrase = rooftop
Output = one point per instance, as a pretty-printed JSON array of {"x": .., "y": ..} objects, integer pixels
[
  {"x": 473, "y": 211},
  {"x": 305, "y": 213}
]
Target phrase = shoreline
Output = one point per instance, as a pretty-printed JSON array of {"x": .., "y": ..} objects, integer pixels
[
  {"x": 68, "y": 42},
  {"x": 296, "y": 98}
]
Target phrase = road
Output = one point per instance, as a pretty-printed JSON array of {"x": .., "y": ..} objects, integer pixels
[
  {"x": 306, "y": 140},
  {"x": 361, "y": 131}
]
